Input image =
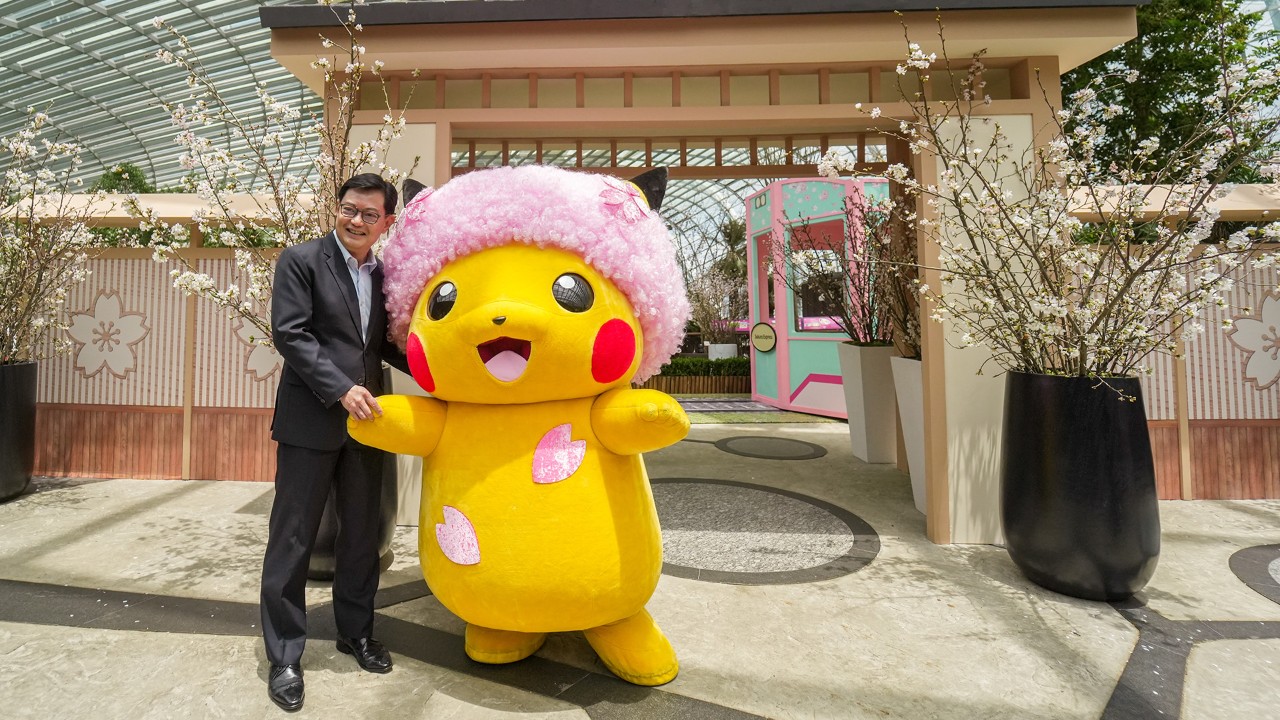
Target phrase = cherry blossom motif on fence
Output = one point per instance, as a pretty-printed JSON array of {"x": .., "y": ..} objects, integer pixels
[
  {"x": 1259, "y": 337},
  {"x": 261, "y": 361},
  {"x": 105, "y": 336}
]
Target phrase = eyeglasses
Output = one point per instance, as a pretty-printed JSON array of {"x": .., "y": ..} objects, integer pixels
[{"x": 368, "y": 217}]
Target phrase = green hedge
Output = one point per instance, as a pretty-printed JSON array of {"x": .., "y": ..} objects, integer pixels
[{"x": 686, "y": 366}]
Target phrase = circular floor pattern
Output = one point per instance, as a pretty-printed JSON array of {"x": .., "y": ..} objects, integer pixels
[
  {"x": 1259, "y": 568},
  {"x": 739, "y": 534},
  {"x": 771, "y": 448}
]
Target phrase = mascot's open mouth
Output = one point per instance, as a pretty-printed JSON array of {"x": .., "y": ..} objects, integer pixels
[{"x": 505, "y": 358}]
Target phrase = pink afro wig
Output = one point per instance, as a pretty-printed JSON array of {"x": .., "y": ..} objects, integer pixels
[{"x": 604, "y": 220}]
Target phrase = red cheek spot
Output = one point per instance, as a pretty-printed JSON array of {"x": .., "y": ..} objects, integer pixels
[
  {"x": 615, "y": 348},
  {"x": 418, "y": 364}
]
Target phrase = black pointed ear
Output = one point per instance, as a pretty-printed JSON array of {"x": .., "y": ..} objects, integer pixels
[
  {"x": 410, "y": 188},
  {"x": 653, "y": 184}
]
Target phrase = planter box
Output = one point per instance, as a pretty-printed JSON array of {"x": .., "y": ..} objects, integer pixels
[
  {"x": 869, "y": 400},
  {"x": 721, "y": 351},
  {"x": 907, "y": 383},
  {"x": 1077, "y": 485},
  {"x": 17, "y": 427}
]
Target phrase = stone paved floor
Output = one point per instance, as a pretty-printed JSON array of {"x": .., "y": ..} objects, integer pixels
[{"x": 798, "y": 584}]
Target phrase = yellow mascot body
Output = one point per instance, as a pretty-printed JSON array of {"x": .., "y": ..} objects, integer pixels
[{"x": 536, "y": 514}]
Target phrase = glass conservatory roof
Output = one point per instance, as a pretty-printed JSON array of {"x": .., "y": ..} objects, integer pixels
[{"x": 91, "y": 66}]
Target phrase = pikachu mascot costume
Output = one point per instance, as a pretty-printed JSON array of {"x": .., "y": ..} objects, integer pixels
[{"x": 528, "y": 299}]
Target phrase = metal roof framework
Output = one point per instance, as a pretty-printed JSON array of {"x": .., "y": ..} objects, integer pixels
[
  {"x": 91, "y": 67},
  {"x": 282, "y": 13}
]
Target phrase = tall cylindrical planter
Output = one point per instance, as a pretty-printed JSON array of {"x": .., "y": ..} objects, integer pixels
[
  {"x": 867, "y": 376},
  {"x": 323, "y": 557},
  {"x": 1078, "y": 490},
  {"x": 908, "y": 384},
  {"x": 17, "y": 427}
]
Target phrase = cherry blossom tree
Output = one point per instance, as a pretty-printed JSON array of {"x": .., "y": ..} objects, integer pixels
[{"x": 1022, "y": 275}]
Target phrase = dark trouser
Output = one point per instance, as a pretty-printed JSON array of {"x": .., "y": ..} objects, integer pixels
[{"x": 303, "y": 480}]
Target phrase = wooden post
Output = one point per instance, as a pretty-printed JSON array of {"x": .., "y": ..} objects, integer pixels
[
  {"x": 1182, "y": 409},
  {"x": 189, "y": 371}
]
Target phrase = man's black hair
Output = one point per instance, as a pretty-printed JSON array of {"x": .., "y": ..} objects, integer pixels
[{"x": 373, "y": 181}]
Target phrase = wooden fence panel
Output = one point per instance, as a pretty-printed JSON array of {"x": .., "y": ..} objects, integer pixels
[
  {"x": 1235, "y": 460},
  {"x": 699, "y": 384},
  {"x": 108, "y": 441},
  {"x": 232, "y": 444},
  {"x": 1164, "y": 450}
]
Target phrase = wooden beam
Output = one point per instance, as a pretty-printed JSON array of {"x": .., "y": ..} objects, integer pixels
[
  {"x": 711, "y": 172},
  {"x": 196, "y": 240},
  {"x": 444, "y": 153},
  {"x": 1182, "y": 410},
  {"x": 1020, "y": 80}
]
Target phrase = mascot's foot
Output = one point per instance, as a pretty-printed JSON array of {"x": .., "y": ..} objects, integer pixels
[
  {"x": 497, "y": 647},
  {"x": 635, "y": 650}
]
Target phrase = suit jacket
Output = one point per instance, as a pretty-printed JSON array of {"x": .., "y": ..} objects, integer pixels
[{"x": 315, "y": 324}]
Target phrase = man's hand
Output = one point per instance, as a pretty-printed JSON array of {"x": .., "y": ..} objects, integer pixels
[{"x": 361, "y": 404}]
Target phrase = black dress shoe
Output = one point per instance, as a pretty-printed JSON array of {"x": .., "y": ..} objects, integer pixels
[
  {"x": 284, "y": 686},
  {"x": 368, "y": 652}
]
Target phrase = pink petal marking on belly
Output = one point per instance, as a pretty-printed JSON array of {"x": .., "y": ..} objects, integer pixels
[
  {"x": 457, "y": 537},
  {"x": 557, "y": 456}
]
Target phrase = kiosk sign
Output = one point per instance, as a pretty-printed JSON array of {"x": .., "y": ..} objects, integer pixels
[{"x": 763, "y": 337}]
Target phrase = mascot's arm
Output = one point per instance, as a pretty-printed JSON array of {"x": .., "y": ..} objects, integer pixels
[
  {"x": 409, "y": 425},
  {"x": 628, "y": 422}
]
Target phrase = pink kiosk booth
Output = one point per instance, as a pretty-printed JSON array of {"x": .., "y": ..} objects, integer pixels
[{"x": 794, "y": 361}]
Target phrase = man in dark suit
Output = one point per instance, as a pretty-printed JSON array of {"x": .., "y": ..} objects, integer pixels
[{"x": 329, "y": 323}]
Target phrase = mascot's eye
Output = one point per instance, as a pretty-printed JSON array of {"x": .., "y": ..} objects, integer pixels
[
  {"x": 573, "y": 292},
  {"x": 442, "y": 300}
]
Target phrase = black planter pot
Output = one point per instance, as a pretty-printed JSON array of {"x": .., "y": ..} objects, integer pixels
[
  {"x": 323, "y": 559},
  {"x": 17, "y": 427},
  {"x": 1078, "y": 490}
]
